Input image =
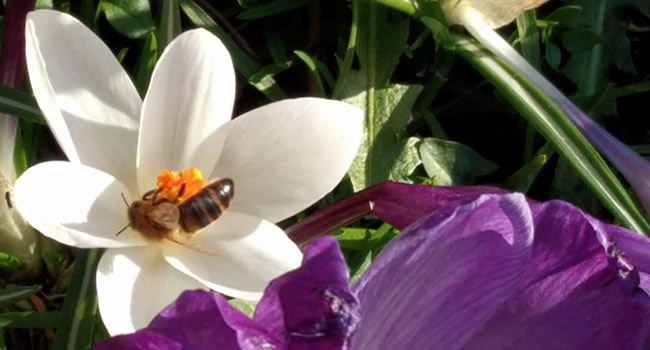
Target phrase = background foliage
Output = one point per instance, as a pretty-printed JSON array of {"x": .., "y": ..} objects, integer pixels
[{"x": 431, "y": 117}]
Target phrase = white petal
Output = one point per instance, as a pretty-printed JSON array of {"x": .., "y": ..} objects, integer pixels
[
  {"x": 191, "y": 94},
  {"x": 75, "y": 205},
  {"x": 238, "y": 255},
  {"x": 134, "y": 285},
  {"x": 88, "y": 100},
  {"x": 285, "y": 156}
]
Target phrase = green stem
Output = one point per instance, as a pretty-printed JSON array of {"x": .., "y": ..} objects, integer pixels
[
  {"x": 541, "y": 110},
  {"x": 405, "y": 6},
  {"x": 529, "y": 42}
]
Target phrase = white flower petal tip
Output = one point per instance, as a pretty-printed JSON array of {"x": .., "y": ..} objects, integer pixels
[
  {"x": 238, "y": 255},
  {"x": 75, "y": 205},
  {"x": 495, "y": 13},
  {"x": 191, "y": 95},
  {"x": 133, "y": 285},
  {"x": 88, "y": 100},
  {"x": 285, "y": 156}
]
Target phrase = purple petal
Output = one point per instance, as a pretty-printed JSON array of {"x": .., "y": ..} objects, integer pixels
[
  {"x": 436, "y": 284},
  {"x": 396, "y": 203},
  {"x": 312, "y": 307},
  {"x": 12, "y": 66},
  {"x": 571, "y": 297},
  {"x": 203, "y": 320},
  {"x": 142, "y": 340}
]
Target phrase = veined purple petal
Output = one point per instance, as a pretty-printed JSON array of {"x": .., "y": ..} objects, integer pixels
[
  {"x": 142, "y": 340},
  {"x": 397, "y": 203},
  {"x": 434, "y": 286},
  {"x": 312, "y": 307},
  {"x": 199, "y": 320},
  {"x": 571, "y": 296},
  {"x": 203, "y": 320}
]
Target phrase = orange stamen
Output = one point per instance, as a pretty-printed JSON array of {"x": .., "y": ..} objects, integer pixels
[{"x": 170, "y": 183}]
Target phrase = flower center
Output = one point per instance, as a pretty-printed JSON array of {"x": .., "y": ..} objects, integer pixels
[{"x": 176, "y": 186}]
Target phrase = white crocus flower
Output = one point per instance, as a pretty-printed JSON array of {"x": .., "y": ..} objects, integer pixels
[{"x": 282, "y": 158}]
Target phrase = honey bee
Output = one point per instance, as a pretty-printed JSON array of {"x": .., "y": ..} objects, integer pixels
[{"x": 159, "y": 218}]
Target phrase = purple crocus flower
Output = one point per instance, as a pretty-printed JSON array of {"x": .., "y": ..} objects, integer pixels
[{"x": 492, "y": 271}]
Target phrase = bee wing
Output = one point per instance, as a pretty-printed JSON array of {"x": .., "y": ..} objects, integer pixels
[{"x": 165, "y": 215}]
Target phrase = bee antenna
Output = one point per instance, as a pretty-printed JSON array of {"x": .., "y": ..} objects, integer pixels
[
  {"x": 125, "y": 202},
  {"x": 122, "y": 230}
]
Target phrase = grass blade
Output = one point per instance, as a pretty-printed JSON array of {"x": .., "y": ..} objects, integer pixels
[
  {"x": 80, "y": 306},
  {"x": 9, "y": 296},
  {"x": 20, "y": 105}
]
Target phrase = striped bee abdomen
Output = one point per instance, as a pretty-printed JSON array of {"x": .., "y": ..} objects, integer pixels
[{"x": 206, "y": 205}]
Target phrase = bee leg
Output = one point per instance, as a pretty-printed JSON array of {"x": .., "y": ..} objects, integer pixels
[
  {"x": 122, "y": 230},
  {"x": 181, "y": 191},
  {"x": 147, "y": 195},
  {"x": 124, "y": 199},
  {"x": 155, "y": 194}
]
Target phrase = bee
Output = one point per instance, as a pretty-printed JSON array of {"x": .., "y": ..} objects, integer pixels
[{"x": 159, "y": 218}]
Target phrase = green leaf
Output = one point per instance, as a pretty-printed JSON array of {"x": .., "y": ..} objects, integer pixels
[
  {"x": 453, "y": 163},
  {"x": 269, "y": 71},
  {"x": 170, "y": 23},
  {"x": 385, "y": 152},
  {"x": 440, "y": 32},
  {"x": 272, "y": 8},
  {"x": 10, "y": 295},
  {"x": 529, "y": 37},
  {"x": 20, "y": 105},
  {"x": 311, "y": 65},
  {"x": 523, "y": 178},
  {"x": 564, "y": 14},
  {"x": 80, "y": 305},
  {"x": 553, "y": 55},
  {"x": 360, "y": 265},
  {"x": 31, "y": 319},
  {"x": 146, "y": 63},
  {"x": 242, "y": 61},
  {"x": 380, "y": 43},
  {"x": 9, "y": 262},
  {"x": 247, "y": 307},
  {"x": 353, "y": 238},
  {"x": 345, "y": 65},
  {"x": 589, "y": 69},
  {"x": 359, "y": 261},
  {"x": 568, "y": 186},
  {"x": 580, "y": 40},
  {"x": 40, "y": 4},
  {"x": 129, "y": 17}
]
